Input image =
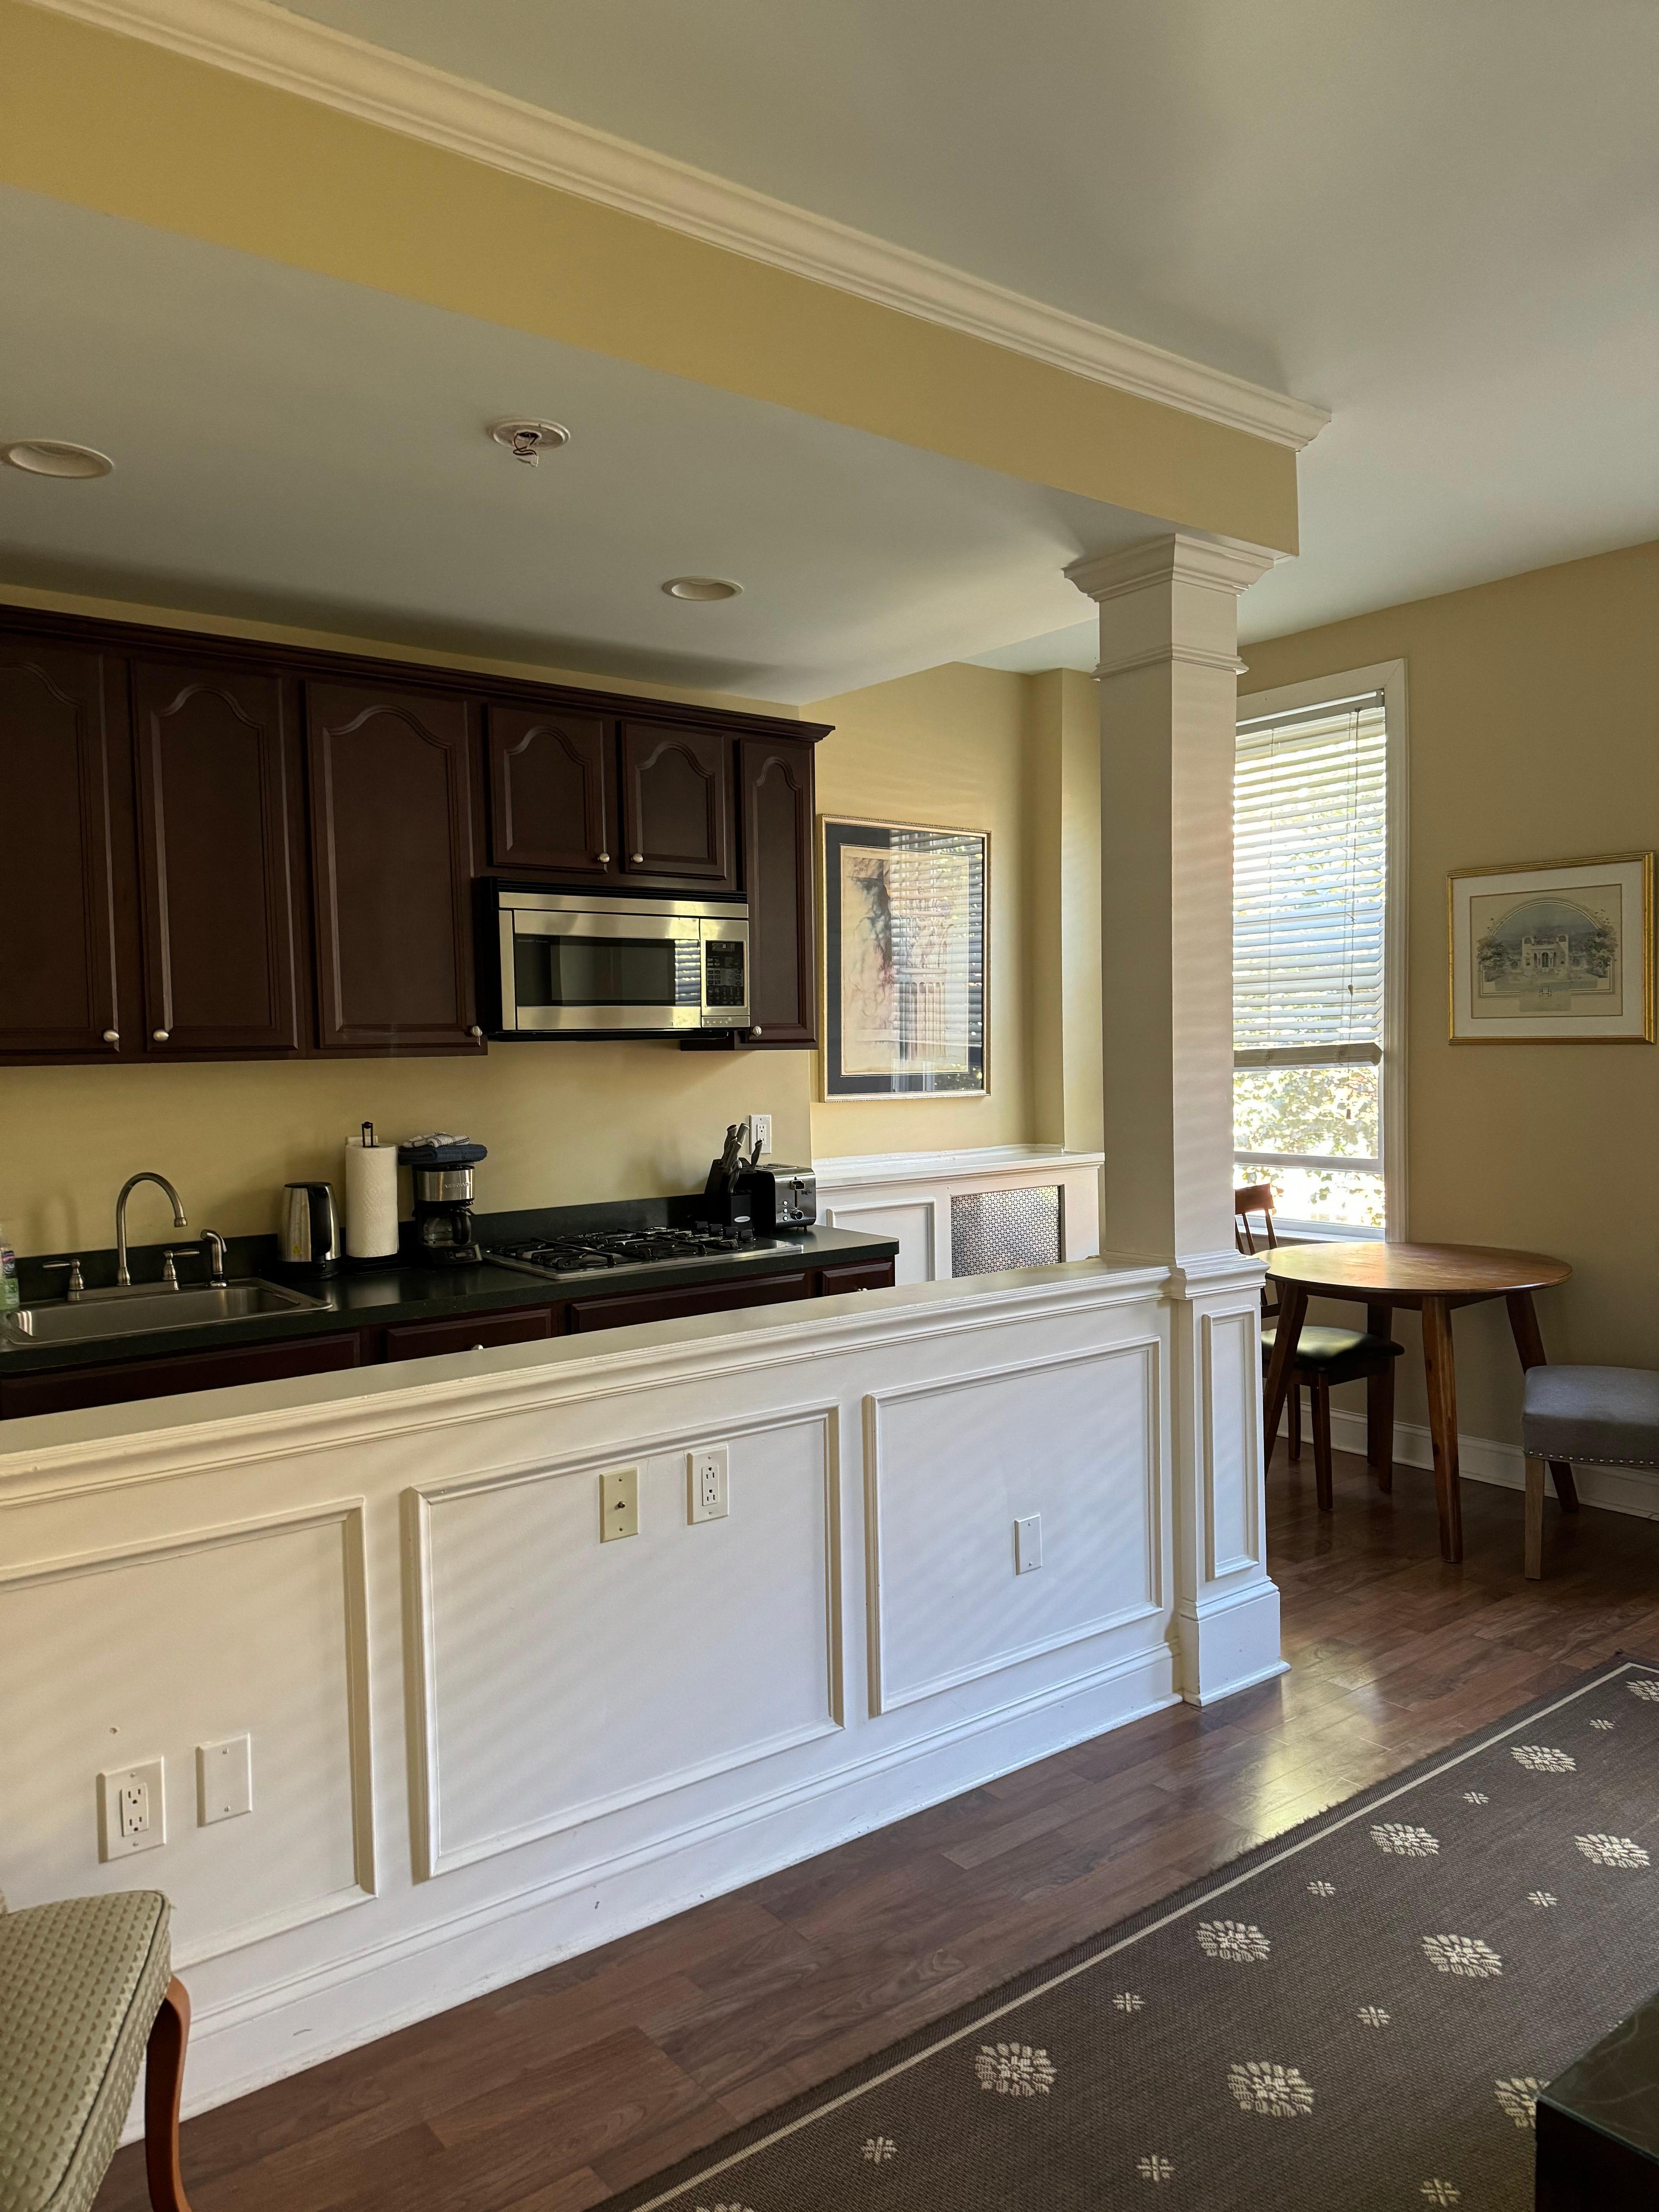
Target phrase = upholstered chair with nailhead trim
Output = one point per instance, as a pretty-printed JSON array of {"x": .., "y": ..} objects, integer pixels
[{"x": 86, "y": 1991}]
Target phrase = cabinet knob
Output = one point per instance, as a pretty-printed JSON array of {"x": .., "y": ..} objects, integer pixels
[
  {"x": 477, "y": 1348},
  {"x": 112, "y": 1036},
  {"x": 602, "y": 858},
  {"x": 756, "y": 1031},
  {"x": 636, "y": 858},
  {"x": 160, "y": 1035},
  {"x": 475, "y": 1031}
]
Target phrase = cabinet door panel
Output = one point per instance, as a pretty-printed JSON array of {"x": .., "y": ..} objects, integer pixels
[
  {"x": 624, "y": 1310},
  {"x": 72, "y": 1389},
  {"x": 57, "y": 764},
  {"x": 391, "y": 844},
  {"x": 216, "y": 769},
  {"x": 855, "y": 1275},
  {"x": 676, "y": 803},
  {"x": 430, "y": 1340},
  {"x": 777, "y": 826},
  {"x": 549, "y": 792}
]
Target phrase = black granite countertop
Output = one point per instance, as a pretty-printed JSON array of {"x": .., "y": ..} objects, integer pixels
[{"x": 376, "y": 1293}]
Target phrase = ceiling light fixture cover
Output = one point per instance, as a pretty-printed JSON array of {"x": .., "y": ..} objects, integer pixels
[
  {"x": 528, "y": 441},
  {"x": 702, "y": 587},
  {"x": 52, "y": 457}
]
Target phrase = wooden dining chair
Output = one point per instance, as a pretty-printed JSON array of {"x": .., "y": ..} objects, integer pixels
[{"x": 1324, "y": 1358}]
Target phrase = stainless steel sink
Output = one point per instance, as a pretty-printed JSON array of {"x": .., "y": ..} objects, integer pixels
[{"x": 147, "y": 1310}]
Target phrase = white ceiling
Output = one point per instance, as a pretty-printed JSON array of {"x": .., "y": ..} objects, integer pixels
[
  {"x": 1440, "y": 221},
  {"x": 299, "y": 449}
]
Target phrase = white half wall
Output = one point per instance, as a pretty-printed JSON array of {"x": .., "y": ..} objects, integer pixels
[{"x": 483, "y": 1739}]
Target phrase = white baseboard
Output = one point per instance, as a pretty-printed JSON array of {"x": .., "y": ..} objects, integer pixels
[
  {"x": 1484, "y": 1459},
  {"x": 262, "y": 2038}
]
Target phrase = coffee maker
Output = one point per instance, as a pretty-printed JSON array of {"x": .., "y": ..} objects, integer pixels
[{"x": 442, "y": 1170}]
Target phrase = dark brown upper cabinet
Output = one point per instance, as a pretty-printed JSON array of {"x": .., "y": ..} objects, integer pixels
[
  {"x": 62, "y": 779},
  {"x": 218, "y": 781},
  {"x": 676, "y": 805},
  {"x": 775, "y": 780},
  {"x": 390, "y": 774},
  {"x": 552, "y": 780}
]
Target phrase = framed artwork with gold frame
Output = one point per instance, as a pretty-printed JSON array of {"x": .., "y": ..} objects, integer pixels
[
  {"x": 905, "y": 916},
  {"x": 1560, "y": 952}
]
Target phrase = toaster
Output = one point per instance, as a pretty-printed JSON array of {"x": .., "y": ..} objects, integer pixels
[{"x": 782, "y": 1199}]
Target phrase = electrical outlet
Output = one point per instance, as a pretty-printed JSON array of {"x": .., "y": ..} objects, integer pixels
[
  {"x": 709, "y": 1471},
  {"x": 1027, "y": 1544},
  {"x": 760, "y": 1132},
  {"x": 619, "y": 1504},
  {"x": 132, "y": 1810},
  {"x": 224, "y": 1780}
]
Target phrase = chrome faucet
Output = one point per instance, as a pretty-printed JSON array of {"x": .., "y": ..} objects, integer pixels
[{"x": 144, "y": 1175}]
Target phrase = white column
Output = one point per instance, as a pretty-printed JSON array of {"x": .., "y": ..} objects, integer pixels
[{"x": 1169, "y": 631}]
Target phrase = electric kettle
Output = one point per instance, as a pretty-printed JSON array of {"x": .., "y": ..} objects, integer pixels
[{"x": 308, "y": 1236}]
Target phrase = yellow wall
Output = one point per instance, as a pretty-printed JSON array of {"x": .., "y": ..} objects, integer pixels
[
  {"x": 566, "y": 1124},
  {"x": 1534, "y": 736},
  {"x": 976, "y": 749},
  {"x": 964, "y": 747},
  {"x": 132, "y": 130}
]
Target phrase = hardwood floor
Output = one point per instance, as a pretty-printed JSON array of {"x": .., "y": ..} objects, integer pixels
[{"x": 548, "y": 2096}]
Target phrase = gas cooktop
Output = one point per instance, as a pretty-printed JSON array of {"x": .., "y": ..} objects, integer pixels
[{"x": 556, "y": 1257}]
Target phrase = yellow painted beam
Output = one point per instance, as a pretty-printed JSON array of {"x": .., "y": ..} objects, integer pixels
[{"x": 131, "y": 129}]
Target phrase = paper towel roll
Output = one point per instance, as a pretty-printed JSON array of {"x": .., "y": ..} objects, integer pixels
[{"x": 371, "y": 1194}]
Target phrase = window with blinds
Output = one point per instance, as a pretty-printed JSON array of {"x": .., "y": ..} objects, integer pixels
[{"x": 1310, "y": 870}]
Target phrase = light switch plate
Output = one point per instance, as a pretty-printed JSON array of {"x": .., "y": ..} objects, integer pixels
[
  {"x": 619, "y": 1504},
  {"x": 1027, "y": 1544},
  {"x": 224, "y": 1780},
  {"x": 708, "y": 1475},
  {"x": 131, "y": 1809}
]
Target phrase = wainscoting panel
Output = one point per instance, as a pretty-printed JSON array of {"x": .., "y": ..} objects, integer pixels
[
  {"x": 915, "y": 1222},
  {"x": 949, "y": 1468},
  {"x": 1230, "y": 1366},
  {"x": 256, "y": 1627},
  {"x": 564, "y": 1679}
]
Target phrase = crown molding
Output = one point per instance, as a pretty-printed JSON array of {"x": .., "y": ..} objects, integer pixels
[
  {"x": 254, "y": 39},
  {"x": 1182, "y": 556}
]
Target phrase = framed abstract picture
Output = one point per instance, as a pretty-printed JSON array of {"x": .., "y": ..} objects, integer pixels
[
  {"x": 1560, "y": 953},
  {"x": 905, "y": 913}
]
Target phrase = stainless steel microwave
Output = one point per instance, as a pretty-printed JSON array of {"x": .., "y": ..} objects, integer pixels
[{"x": 574, "y": 963}]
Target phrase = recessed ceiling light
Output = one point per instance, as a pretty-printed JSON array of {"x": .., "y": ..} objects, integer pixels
[
  {"x": 528, "y": 441},
  {"x": 702, "y": 587},
  {"x": 50, "y": 457}
]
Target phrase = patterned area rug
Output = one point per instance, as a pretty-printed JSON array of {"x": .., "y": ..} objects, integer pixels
[{"x": 1359, "y": 2014}]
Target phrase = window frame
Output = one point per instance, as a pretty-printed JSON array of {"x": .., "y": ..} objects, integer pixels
[{"x": 1387, "y": 676}]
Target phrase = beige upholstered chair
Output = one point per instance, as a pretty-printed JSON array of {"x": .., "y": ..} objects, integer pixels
[
  {"x": 1598, "y": 1416},
  {"x": 86, "y": 1990}
]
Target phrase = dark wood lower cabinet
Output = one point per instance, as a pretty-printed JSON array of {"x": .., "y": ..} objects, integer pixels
[
  {"x": 624, "y": 1311},
  {"x": 861, "y": 1275},
  {"x": 430, "y": 1340},
  {"x": 72, "y": 1390}
]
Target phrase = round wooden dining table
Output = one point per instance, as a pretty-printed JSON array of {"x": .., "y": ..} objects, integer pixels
[{"x": 1436, "y": 1278}]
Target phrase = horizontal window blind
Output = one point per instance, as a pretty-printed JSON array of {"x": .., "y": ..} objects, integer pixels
[{"x": 1310, "y": 875}]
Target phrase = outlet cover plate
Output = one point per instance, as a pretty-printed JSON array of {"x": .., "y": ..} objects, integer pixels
[
  {"x": 760, "y": 1133},
  {"x": 131, "y": 1809},
  {"x": 224, "y": 1780},
  {"x": 619, "y": 1504},
  {"x": 708, "y": 1482}
]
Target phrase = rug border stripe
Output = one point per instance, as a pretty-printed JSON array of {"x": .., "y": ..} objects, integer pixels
[{"x": 1261, "y": 1858}]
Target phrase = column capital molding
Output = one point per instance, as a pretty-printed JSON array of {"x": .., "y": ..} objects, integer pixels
[
  {"x": 1161, "y": 655},
  {"x": 1182, "y": 556}
]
